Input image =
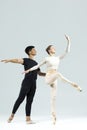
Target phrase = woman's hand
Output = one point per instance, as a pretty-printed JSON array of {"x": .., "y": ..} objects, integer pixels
[
  {"x": 26, "y": 71},
  {"x": 67, "y": 38}
]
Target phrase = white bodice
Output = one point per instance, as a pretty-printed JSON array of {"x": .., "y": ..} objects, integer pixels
[{"x": 52, "y": 62}]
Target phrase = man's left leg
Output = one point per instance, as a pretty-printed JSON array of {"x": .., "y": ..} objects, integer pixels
[{"x": 29, "y": 100}]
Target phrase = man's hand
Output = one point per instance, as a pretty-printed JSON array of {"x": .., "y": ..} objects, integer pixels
[{"x": 5, "y": 61}]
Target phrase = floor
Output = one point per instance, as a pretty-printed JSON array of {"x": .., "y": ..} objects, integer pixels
[{"x": 42, "y": 123}]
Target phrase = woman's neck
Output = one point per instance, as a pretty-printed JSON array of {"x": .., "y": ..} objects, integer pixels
[{"x": 51, "y": 54}]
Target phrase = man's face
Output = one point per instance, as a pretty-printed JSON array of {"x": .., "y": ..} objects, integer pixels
[{"x": 33, "y": 51}]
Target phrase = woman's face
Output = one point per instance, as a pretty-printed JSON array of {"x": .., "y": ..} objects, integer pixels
[{"x": 52, "y": 50}]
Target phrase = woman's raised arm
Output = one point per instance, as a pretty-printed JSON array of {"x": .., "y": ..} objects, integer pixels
[{"x": 67, "y": 48}]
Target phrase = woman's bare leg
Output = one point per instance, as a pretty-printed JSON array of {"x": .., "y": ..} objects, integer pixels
[{"x": 53, "y": 101}]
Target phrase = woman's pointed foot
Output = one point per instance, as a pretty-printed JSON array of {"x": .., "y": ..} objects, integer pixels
[
  {"x": 77, "y": 87},
  {"x": 54, "y": 118}
]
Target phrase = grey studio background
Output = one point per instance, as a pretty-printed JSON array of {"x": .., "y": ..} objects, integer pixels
[{"x": 40, "y": 23}]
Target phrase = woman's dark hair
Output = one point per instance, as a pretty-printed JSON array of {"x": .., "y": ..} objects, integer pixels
[
  {"x": 48, "y": 48},
  {"x": 28, "y": 48}
]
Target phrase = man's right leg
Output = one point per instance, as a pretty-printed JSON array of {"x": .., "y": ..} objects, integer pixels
[{"x": 19, "y": 100}]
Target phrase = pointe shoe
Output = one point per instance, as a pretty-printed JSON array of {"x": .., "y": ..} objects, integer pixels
[
  {"x": 77, "y": 87},
  {"x": 54, "y": 118}
]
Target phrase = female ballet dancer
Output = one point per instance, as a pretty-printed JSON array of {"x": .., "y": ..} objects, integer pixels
[{"x": 52, "y": 74}]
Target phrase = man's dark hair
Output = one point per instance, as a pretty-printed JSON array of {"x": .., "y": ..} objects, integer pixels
[{"x": 28, "y": 48}]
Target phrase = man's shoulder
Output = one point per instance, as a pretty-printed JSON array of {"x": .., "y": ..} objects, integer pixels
[{"x": 29, "y": 60}]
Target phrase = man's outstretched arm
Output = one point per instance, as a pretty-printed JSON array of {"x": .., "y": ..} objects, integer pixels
[{"x": 19, "y": 61}]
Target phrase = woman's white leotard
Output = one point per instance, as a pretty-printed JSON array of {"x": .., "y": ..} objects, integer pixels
[{"x": 52, "y": 62}]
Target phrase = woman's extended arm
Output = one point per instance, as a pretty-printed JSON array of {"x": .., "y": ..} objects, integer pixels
[
  {"x": 67, "y": 48},
  {"x": 34, "y": 67}
]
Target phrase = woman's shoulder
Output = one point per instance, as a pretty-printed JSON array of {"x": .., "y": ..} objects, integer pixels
[{"x": 47, "y": 58}]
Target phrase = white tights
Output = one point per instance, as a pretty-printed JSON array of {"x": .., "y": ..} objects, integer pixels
[
  {"x": 53, "y": 101},
  {"x": 51, "y": 79}
]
